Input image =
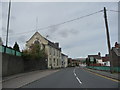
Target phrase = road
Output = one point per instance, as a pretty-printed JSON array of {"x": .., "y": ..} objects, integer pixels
[{"x": 74, "y": 77}]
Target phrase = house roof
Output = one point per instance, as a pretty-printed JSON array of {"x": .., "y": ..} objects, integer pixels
[
  {"x": 64, "y": 55},
  {"x": 33, "y": 36},
  {"x": 95, "y": 56},
  {"x": 53, "y": 44},
  {"x": 105, "y": 59}
]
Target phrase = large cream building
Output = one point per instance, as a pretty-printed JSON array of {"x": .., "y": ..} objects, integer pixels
[{"x": 52, "y": 49}]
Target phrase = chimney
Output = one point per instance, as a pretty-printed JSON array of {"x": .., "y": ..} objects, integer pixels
[
  {"x": 99, "y": 54},
  {"x": 57, "y": 44},
  {"x": 116, "y": 45}
]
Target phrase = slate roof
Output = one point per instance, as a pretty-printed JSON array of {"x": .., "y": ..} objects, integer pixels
[
  {"x": 53, "y": 45},
  {"x": 64, "y": 55}
]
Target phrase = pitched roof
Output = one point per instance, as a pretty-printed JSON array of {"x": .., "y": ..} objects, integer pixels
[
  {"x": 53, "y": 45},
  {"x": 64, "y": 55},
  {"x": 33, "y": 36}
]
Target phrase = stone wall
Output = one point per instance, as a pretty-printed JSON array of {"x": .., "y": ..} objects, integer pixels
[
  {"x": 30, "y": 65},
  {"x": 15, "y": 64},
  {"x": 11, "y": 64}
]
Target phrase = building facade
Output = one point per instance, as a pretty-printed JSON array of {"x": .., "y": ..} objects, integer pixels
[
  {"x": 52, "y": 50},
  {"x": 106, "y": 60},
  {"x": 64, "y": 60},
  {"x": 73, "y": 62},
  {"x": 94, "y": 59},
  {"x": 116, "y": 55}
]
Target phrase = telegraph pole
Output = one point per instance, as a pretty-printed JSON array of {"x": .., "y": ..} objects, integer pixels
[
  {"x": 8, "y": 25},
  {"x": 108, "y": 40}
]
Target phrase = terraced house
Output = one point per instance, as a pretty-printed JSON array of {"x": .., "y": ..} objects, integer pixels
[{"x": 52, "y": 49}]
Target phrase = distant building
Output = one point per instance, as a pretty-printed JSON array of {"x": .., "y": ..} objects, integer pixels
[
  {"x": 116, "y": 55},
  {"x": 64, "y": 60},
  {"x": 73, "y": 62},
  {"x": 52, "y": 50},
  {"x": 94, "y": 59},
  {"x": 82, "y": 61},
  {"x": 106, "y": 60}
]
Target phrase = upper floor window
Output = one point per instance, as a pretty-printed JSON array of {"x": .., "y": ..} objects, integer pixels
[
  {"x": 54, "y": 52},
  {"x": 50, "y": 50},
  {"x": 36, "y": 42}
]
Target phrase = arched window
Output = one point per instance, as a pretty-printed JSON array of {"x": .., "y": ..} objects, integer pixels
[{"x": 36, "y": 42}]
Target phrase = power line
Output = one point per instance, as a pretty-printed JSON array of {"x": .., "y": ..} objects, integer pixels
[
  {"x": 58, "y": 23},
  {"x": 114, "y": 11}
]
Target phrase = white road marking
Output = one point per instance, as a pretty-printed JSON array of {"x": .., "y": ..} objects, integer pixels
[
  {"x": 75, "y": 74},
  {"x": 74, "y": 71},
  {"x": 78, "y": 80},
  {"x": 77, "y": 77}
]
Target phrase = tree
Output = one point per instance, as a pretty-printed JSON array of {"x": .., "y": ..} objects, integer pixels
[
  {"x": 94, "y": 61},
  {"x": 35, "y": 52},
  {"x": 16, "y": 47},
  {"x": 88, "y": 61}
]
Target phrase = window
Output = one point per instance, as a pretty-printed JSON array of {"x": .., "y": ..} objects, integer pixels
[
  {"x": 57, "y": 62},
  {"x": 54, "y": 60},
  {"x": 54, "y": 52},
  {"x": 50, "y": 50},
  {"x": 57, "y": 52},
  {"x": 50, "y": 62},
  {"x": 36, "y": 42}
]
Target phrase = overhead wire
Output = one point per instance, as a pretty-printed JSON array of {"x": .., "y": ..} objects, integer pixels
[
  {"x": 57, "y": 24},
  {"x": 114, "y": 11}
]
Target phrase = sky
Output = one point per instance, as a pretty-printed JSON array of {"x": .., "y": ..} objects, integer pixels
[{"x": 77, "y": 39}]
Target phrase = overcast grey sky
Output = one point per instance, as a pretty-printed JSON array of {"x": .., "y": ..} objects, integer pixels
[{"x": 77, "y": 39}]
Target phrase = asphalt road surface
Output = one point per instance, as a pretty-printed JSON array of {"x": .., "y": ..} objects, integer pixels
[{"x": 74, "y": 77}]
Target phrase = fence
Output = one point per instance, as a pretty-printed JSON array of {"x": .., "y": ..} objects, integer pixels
[
  {"x": 105, "y": 68},
  {"x": 9, "y": 51}
]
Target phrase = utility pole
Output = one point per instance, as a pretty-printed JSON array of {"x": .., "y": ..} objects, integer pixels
[
  {"x": 108, "y": 40},
  {"x": 8, "y": 25}
]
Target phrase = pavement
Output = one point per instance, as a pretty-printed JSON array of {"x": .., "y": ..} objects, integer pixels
[
  {"x": 105, "y": 73},
  {"x": 74, "y": 77},
  {"x": 18, "y": 80}
]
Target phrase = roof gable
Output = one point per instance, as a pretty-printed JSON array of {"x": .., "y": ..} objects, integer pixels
[
  {"x": 48, "y": 42},
  {"x": 34, "y": 35}
]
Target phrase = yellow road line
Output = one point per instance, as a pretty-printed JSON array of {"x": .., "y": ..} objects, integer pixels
[{"x": 104, "y": 76}]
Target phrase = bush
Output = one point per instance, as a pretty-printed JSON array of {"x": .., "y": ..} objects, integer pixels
[{"x": 35, "y": 52}]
